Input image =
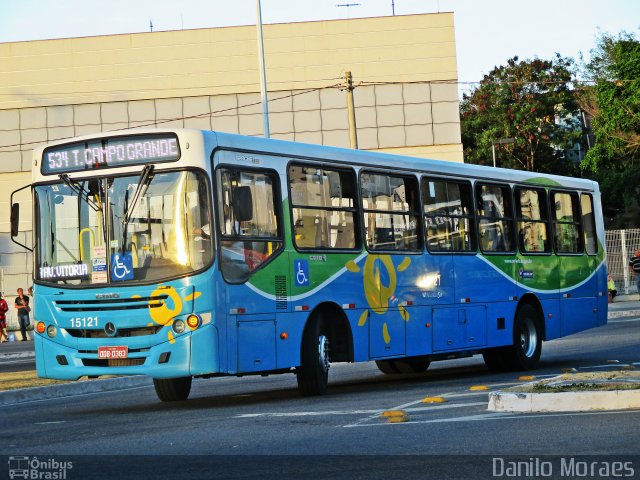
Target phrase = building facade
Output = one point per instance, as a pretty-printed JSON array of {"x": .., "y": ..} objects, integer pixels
[{"x": 404, "y": 72}]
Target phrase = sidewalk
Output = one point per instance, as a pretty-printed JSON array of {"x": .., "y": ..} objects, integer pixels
[{"x": 625, "y": 306}]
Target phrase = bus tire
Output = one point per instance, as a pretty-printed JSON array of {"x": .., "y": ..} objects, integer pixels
[
  {"x": 388, "y": 367},
  {"x": 413, "y": 365},
  {"x": 524, "y": 354},
  {"x": 494, "y": 359},
  {"x": 406, "y": 365},
  {"x": 313, "y": 374},
  {"x": 172, "y": 389}
]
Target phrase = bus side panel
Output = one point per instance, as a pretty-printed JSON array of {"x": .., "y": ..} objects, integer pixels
[
  {"x": 419, "y": 331},
  {"x": 500, "y": 323},
  {"x": 578, "y": 304},
  {"x": 478, "y": 281},
  {"x": 552, "y": 318}
]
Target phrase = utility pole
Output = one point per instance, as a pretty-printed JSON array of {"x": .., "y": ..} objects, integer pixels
[
  {"x": 263, "y": 74},
  {"x": 353, "y": 134}
]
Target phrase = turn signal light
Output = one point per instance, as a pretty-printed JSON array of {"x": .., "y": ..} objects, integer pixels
[
  {"x": 193, "y": 321},
  {"x": 40, "y": 328}
]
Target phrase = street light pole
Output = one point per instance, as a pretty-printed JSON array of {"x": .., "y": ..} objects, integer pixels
[
  {"x": 263, "y": 73},
  {"x": 501, "y": 141}
]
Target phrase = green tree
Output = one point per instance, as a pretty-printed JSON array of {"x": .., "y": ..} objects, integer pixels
[
  {"x": 531, "y": 101},
  {"x": 612, "y": 100}
]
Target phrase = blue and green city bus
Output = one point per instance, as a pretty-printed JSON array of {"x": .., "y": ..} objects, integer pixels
[{"x": 184, "y": 253}]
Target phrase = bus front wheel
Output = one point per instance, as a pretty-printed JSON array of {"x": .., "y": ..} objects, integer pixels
[
  {"x": 313, "y": 374},
  {"x": 172, "y": 389}
]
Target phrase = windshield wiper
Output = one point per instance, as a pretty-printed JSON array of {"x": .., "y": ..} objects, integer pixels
[
  {"x": 143, "y": 184},
  {"x": 80, "y": 191}
]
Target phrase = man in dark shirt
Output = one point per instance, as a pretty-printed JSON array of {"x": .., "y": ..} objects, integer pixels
[
  {"x": 634, "y": 265},
  {"x": 22, "y": 304}
]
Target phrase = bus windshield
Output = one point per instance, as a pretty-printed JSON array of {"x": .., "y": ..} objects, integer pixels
[{"x": 145, "y": 227}]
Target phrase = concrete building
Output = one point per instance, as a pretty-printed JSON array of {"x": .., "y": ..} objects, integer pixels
[{"x": 404, "y": 69}]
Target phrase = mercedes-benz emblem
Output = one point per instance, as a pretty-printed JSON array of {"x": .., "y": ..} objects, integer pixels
[{"x": 110, "y": 329}]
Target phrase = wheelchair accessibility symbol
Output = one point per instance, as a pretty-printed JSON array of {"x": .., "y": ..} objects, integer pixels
[
  {"x": 301, "y": 273},
  {"x": 121, "y": 267}
]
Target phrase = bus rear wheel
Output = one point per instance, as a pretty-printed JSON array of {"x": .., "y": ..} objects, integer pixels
[
  {"x": 313, "y": 374},
  {"x": 524, "y": 354},
  {"x": 172, "y": 389}
]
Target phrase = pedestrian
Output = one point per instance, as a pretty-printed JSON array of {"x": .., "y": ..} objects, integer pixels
[
  {"x": 634, "y": 265},
  {"x": 3, "y": 319},
  {"x": 611, "y": 286},
  {"x": 22, "y": 305}
]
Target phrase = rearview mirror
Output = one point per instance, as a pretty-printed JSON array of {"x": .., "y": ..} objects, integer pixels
[
  {"x": 15, "y": 219},
  {"x": 242, "y": 204}
]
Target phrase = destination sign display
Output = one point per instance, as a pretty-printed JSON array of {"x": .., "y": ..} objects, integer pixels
[{"x": 110, "y": 152}]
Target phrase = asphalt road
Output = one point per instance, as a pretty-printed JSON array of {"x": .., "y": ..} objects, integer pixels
[{"x": 341, "y": 434}]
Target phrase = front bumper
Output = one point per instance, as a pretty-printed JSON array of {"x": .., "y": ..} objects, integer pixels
[{"x": 194, "y": 353}]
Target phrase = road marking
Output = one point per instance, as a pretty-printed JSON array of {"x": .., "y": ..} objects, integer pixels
[
  {"x": 16, "y": 355},
  {"x": 50, "y": 423},
  {"x": 496, "y": 416},
  {"x": 375, "y": 414}
]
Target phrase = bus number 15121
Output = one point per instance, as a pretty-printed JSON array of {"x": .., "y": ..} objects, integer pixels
[{"x": 84, "y": 322}]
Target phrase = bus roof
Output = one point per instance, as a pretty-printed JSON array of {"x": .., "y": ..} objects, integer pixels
[{"x": 242, "y": 143}]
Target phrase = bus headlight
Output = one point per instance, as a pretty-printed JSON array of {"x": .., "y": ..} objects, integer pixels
[
  {"x": 179, "y": 326},
  {"x": 51, "y": 331},
  {"x": 40, "y": 328}
]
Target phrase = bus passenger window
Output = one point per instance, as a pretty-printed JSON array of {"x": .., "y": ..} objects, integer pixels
[
  {"x": 531, "y": 213},
  {"x": 589, "y": 224},
  {"x": 495, "y": 214},
  {"x": 323, "y": 208},
  {"x": 391, "y": 212},
  {"x": 448, "y": 213},
  {"x": 567, "y": 235}
]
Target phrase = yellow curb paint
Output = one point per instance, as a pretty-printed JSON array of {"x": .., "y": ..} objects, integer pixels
[
  {"x": 433, "y": 400},
  {"x": 478, "y": 388},
  {"x": 398, "y": 419},
  {"x": 526, "y": 378},
  {"x": 393, "y": 413},
  {"x": 395, "y": 416}
]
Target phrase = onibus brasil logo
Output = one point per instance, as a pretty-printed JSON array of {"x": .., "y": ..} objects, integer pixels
[{"x": 38, "y": 469}]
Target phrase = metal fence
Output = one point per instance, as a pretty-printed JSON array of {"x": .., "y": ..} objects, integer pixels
[{"x": 621, "y": 245}]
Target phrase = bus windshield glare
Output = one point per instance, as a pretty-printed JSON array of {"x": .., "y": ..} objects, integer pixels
[{"x": 138, "y": 228}]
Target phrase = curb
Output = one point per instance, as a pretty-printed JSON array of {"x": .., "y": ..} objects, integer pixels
[
  {"x": 564, "y": 401},
  {"x": 623, "y": 313},
  {"x": 22, "y": 395}
]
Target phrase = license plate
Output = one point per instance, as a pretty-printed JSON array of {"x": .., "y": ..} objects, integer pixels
[{"x": 113, "y": 352}]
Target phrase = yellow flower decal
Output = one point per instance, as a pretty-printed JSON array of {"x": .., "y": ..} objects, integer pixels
[
  {"x": 377, "y": 294},
  {"x": 163, "y": 312}
]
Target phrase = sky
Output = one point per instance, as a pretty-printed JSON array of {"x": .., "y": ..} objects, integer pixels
[{"x": 488, "y": 32}]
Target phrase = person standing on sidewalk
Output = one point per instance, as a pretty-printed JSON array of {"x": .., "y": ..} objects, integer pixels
[
  {"x": 3, "y": 319},
  {"x": 22, "y": 304},
  {"x": 634, "y": 265}
]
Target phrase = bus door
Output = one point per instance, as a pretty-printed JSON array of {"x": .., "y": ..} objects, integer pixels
[{"x": 250, "y": 229}]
